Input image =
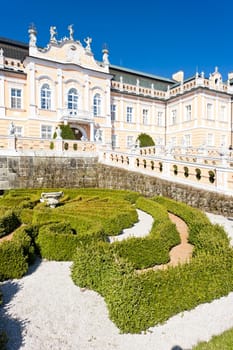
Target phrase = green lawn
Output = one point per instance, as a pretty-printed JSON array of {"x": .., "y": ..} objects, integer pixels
[{"x": 220, "y": 342}]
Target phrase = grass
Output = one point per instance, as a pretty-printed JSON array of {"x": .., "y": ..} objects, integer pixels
[{"x": 220, "y": 342}]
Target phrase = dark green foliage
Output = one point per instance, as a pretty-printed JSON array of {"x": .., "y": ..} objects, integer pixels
[
  {"x": 137, "y": 301},
  {"x": 13, "y": 261},
  {"x": 24, "y": 237},
  {"x": 58, "y": 241},
  {"x": 67, "y": 133},
  {"x": 202, "y": 234},
  {"x": 113, "y": 225},
  {"x": 8, "y": 223},
  {"x": 145, "y": 140},
  {"x": 97, "y": 266},
  {"x": 153, "y": 249}
]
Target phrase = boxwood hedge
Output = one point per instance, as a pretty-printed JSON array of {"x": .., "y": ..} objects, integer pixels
[{"x": 137, "y": 301}]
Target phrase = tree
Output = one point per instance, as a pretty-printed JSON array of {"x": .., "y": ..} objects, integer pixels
[{"x": 145, "y": 140}]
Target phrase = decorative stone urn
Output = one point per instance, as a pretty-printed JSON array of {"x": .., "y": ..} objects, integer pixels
[{"x": 51, "y": 198}]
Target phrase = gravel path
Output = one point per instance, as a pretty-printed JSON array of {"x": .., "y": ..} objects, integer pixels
[{"x": 45, "y": 310}]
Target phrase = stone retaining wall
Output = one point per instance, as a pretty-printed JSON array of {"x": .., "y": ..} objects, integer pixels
[{"x": 61, "y": 172}]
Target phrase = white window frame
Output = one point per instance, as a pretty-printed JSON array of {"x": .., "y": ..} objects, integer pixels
[
  {"x": 97, "y": 105},
  {"x": 19, "y": 131},
  {"x": 173, "y": 141},
  {"x": 187, "y": 140},
  {"x": 209, "y": 111},
  {"x": 46, "y": 131},
  {"x": 210, "y": 140},
  {"x": 223, "y": 140},
  {"x": 46, "y": 101},
  {"x": 145, "y": 116},
  {"x": 159, "y": 120},
  {"x": 113, "y": 112},
  {"x": 223, "y": 113},
  {"x": 114, "y": 141},
  {"x": 72, "y": 100},
  {"x": 174, "y": 117},
  {"x": 16, "y": 100},
  {"x": 129, "y": 114},
  {"x": 188, "y": 113},
  {"x": 129, "y": 141}
]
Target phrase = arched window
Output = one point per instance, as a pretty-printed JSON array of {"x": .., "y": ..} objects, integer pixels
[
  {"x": 72, "y": 102},
  {"x": 97, "y": 105},
  {"x": 45, "y": 97}
]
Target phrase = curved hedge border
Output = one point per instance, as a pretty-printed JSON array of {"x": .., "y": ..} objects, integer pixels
[
  {"x": 15, "y": 255},
  {"x": 139, "y": 301},
  {"x": 154, "y": 248}
]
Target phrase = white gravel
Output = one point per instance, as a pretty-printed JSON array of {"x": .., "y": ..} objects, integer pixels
[{"x": 45, "y": 310}]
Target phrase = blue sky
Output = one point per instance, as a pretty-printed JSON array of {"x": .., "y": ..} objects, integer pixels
[{"x": 152, "y": 36}]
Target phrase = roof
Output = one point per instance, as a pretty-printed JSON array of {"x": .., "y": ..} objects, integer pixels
[
  {"x": 146, "y": 80},
  {"x": 14, "y": 49}
]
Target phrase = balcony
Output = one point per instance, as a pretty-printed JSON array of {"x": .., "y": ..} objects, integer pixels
[{"x": 77, "y": 115}]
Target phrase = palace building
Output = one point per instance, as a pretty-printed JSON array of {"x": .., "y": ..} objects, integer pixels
[{"x": 63, "y": 84}]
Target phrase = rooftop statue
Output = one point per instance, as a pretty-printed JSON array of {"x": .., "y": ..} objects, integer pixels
[
  {"x": 53, "y": 32},
  {"x": 32, "y": 36},
  {"x": 71, "y": 30},
  {"x": 88, "y": 41}
]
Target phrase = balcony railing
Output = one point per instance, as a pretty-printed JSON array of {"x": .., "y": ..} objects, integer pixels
[{"x": 76, "y": 115}]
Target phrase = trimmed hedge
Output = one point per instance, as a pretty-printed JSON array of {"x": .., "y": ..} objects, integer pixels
[
  {"x": 137, "y": 301},
  {"x": 16, "y": 254},
  {"x": 58, "y": 241},
  {"x": 202, "y": 234},
  {"x": 13, "y": 261},
  {"x": 153, "y": 249},
  {"x": 8, "y": 223}
]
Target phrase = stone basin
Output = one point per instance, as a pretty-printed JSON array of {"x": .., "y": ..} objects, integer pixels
[{"x": 51, "y": 198}]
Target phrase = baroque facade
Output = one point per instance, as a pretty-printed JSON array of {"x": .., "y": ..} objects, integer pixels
[{"x": 44, "y": 88}]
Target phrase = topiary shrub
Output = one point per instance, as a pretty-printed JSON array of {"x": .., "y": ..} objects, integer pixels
[
  {"x": 67, "y": 132},
  {"x": 58, "y": 241},
  {"x": 8, "y": 223},
  {"x": 145, "y": 140},
  {"x": 13, "y": 261}
]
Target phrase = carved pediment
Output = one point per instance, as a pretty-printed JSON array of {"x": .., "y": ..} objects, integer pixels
[{"x": 67, "y": 50}]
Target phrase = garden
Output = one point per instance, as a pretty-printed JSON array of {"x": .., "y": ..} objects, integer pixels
[{"x": 78, "y": 230}]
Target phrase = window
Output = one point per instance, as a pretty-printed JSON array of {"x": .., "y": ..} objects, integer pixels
[
  {"x": 19, "y": 131},
  {"x": 173, "y": 141},
  {"x": 210, "y": 111},
  {"x": 113, "y": 112},
  {"x": 72, "y": 101},
  {"x": 46, "y": 131},
  {"x": 159, "y": 118},
  {"x": 97, "y": 105},
  {"x": 159, "y": 141},
  {"x": 188, "y": 113},
  {"x": 223, "y": 117},
  {"x": 130, "y": 142},
  {"x": 174, "y": 117},
  {"x": 223, "y": 141},
  {"x": 45, "y": 97},
  {"x": 129, "y": 115},
  {"x": 114, "y": 141},
  {"x": 210, "y": 140},
  {"x": 145, "y": 116},
  {"x": 187, "y": 140},
  {"x": 16, "y": 98}
]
